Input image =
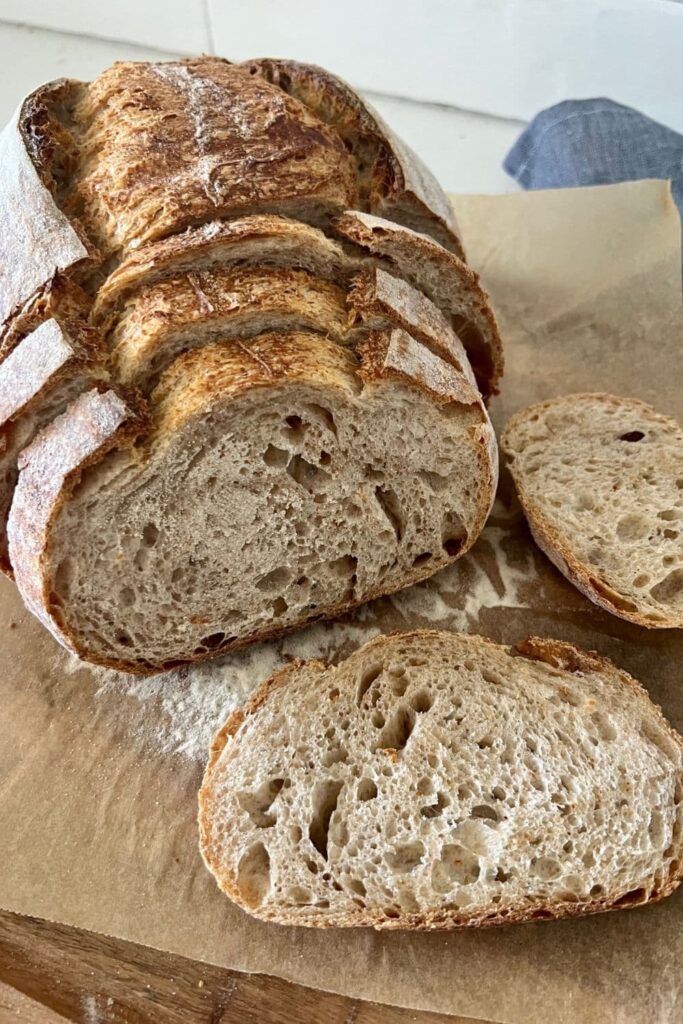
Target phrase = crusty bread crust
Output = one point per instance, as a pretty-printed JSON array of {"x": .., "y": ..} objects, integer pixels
[
  {"x": 551, "y": 541},
  {"x": 556, "y": 653},
  {"x": 394, "y": 182},
  {"x": 55, "y": 242}
]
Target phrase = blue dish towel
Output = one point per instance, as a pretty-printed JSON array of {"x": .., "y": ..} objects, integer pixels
[{"x": 595, "y": 142}]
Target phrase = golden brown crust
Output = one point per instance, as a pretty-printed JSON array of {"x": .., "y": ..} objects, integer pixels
[
  {"x": 550, "y": 540},
  {"x": 375, "y": 297},
  {"x": 262, "y": 239},
  {"x": 173, "y": 315},
  {"x": 556, "y": 653},
  {"x": 163, "y": 146},
  {"x": 31, "y": 220},
  {"x": 394, "y": 182}
]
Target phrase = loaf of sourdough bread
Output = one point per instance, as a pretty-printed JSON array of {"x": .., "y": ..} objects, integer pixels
[
  {"x": 435, "y": 780},
  {"x": 234, "y": 394}
]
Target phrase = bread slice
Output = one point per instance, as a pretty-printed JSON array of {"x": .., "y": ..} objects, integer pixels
[
  {"x": 393, "y": 181},
  {"x": 600, "y": 479},
  {"x": 40, "y": 376},
  {"x": 282, "y": 479},
  {"x": 436, "y": 780},
  {"x": 446, "y": 280}
]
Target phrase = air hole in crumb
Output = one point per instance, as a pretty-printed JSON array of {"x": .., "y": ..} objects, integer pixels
[
  {"x": 257, "y": 803},
  {"x": 276, "y": 457},
  {"x": 367, "y": 790},
  {"x": 253, "y": 875},
  {"x": 335, "y": 756},
  {"x": 405, "y": 857},
  {"x": 425, "y": 786},
  {"x": 632, "y": 435},
  {"x": 421, "y": 559},
  {"x": 275, "y": 580},
  {"x": 297, "y": 895},
  {"x": 320, "y": 412},
  {"x": 547, "y": 868},
  {"x": 390, "y": 505},
  {"x": 325, "y": 797},
  {"x": 456, "y": 866},
  {"x": 604, "y": 725},
  {"x": 212, "y": 641},
  {"x": 398, "y": 729},
  {"x": 306, "y": 474},
  {"x": 670, "y": 588},
  {"x": 484, "y": 811},
  {"x": 378, "y": 719},
  {"x": 279, "y": 606},
  {"x": 366, "y": 680},
  {"x": 631, "y": 898},
  {"x": 434, "y": 810},
  {"x": 421, "y": 701},
  {"x": 150, "y": 535}
]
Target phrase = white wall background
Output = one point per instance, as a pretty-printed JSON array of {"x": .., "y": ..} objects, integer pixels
[
  {"x": 456, "y": 78},
  {"x": 507, "y": 58}
]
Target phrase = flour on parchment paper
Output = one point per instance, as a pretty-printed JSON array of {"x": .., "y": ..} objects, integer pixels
[{"x": 178, "y": 712}]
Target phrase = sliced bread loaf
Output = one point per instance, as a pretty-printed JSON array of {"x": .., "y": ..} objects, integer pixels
[
  {"x": 282, "y": 479},
  {"x": 436, "y": 780},
  {"x": 600, "y": 479},
  {"x": 190, "y": 207},
  {"x": 393, "y": 261}
]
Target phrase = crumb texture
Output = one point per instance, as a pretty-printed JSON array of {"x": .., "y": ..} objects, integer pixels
[
  {"x": 601, "y": 481},
  {"x": 434, "y": 780},
  {"x": 262, "y": 503}
]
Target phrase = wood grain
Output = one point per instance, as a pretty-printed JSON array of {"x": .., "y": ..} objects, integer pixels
[{"x": 51, "y": 974}]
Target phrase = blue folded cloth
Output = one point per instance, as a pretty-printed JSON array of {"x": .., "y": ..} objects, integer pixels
[{"x": 595, "y": 142}]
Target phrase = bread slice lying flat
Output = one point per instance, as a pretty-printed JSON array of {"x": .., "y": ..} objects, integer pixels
[
  {"x": 280, "y": 480},
  {"x": 436, "y": 780},
  {"x": 600, "y": 479}
]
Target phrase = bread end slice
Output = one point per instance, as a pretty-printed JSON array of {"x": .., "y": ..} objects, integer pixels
[{"x": 600, "y": 479}]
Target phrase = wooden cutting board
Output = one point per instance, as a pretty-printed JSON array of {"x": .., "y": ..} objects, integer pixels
[{"x": 51, "y": 974}]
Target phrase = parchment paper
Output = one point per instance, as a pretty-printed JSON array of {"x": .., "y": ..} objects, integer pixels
[{"x": 98, "y": 773}]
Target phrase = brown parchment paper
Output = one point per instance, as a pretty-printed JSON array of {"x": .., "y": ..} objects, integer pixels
[{"x": 98, "y": 772}]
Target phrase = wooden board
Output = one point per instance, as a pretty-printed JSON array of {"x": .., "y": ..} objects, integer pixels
[{"x": 51, "y": 974}]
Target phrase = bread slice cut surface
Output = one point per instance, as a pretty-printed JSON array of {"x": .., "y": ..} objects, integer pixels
[
  {"x": 435, "y": 780},
  {"x": 601, "y": 482},
  {"x": 282, "y": 479}
]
